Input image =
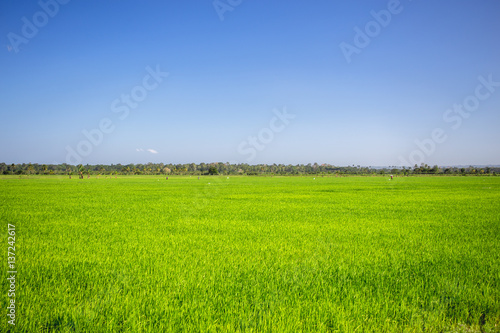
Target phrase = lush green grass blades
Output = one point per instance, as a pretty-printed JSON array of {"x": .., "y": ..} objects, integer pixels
[{"x": 254, "y": 254}]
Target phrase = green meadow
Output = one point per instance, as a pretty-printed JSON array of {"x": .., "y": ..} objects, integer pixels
[{"x": 253, "y": 254}]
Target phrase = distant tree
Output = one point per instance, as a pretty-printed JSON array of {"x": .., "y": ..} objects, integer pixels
[
  {"x": 81, "y": 170},
  {"x": 212, "y": 170},
  {"x": 30, "y": 169}
]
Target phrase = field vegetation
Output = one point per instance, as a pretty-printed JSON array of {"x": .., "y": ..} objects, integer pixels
[{"x": 254, "y": 254}]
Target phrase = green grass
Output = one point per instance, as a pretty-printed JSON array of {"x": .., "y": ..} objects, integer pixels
[{"x": 254, "y": 254}]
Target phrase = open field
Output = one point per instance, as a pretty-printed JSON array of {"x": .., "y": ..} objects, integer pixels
[{"x": 254, "y": 254}]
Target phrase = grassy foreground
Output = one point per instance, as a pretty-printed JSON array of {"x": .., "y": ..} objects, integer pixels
[{"x": 251, "y": 254}]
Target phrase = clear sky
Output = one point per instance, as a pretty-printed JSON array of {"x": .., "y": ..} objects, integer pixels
[{"x": 341, "y": 82}]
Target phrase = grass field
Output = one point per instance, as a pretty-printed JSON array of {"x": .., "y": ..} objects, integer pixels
[{"x": 254, "y": 254}]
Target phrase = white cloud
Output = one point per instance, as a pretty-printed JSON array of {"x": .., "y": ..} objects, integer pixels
[{"x": 152, "y": 151}]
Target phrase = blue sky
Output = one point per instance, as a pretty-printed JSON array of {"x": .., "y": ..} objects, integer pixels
[{"x": 67, "y": 68}]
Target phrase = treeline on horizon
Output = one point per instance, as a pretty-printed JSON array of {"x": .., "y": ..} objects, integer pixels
[{"x": 234, "y": 169}]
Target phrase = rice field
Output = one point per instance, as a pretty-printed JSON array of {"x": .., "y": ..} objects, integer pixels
[{"x": 253, "y": 254}]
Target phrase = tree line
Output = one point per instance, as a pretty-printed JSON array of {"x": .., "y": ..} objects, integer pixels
[{"x": 235, "y": 169}]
